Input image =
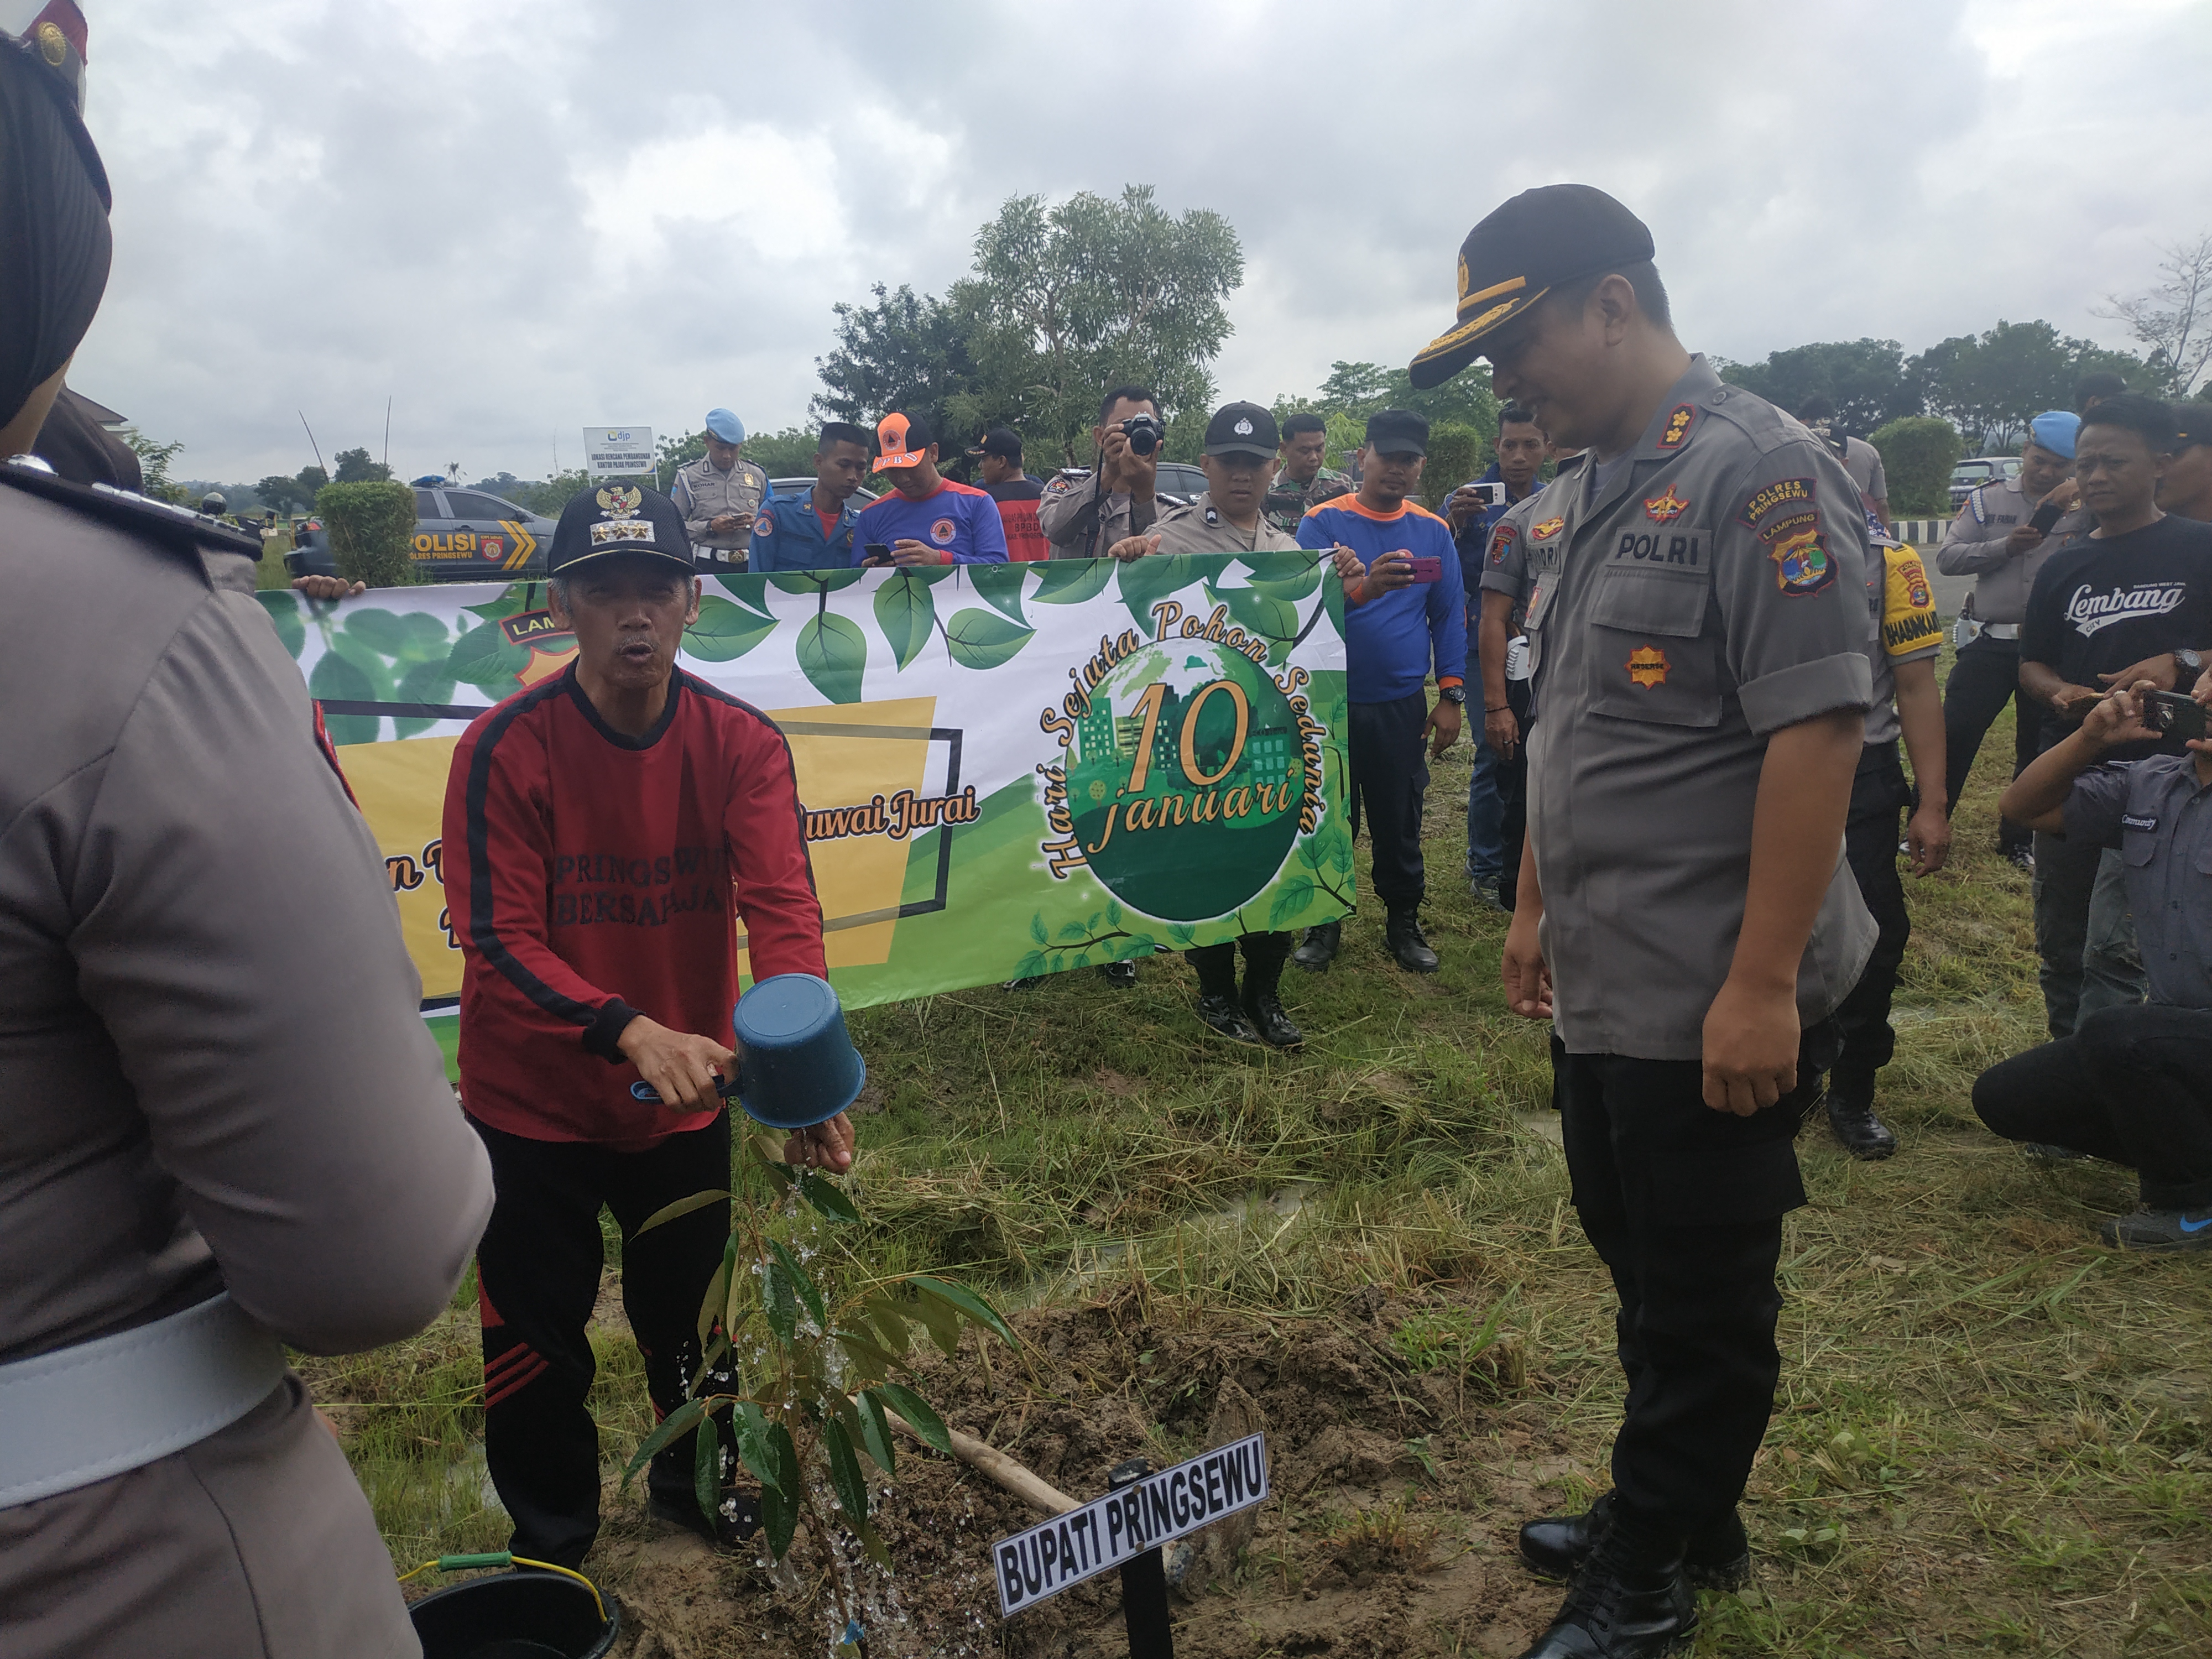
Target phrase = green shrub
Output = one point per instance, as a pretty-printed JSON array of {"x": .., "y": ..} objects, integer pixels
[
  {"x": 1456, "y": 453},
  {"x": 1917, "y": 454},
  {"x": 372, "y": 530}
]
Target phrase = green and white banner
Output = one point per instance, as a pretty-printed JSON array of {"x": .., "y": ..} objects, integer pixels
[{"x": 1007, "y": 769}]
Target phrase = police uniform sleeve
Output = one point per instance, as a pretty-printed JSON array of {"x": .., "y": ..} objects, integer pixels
[
  {"x": 1066, "y": 509},
  {"x": 1790, "y": 573},
  {"x": 696, "y": 516},
  {"x": 1974, "y": 545},
  {"x": 237, "y": 938},
  {"x": 1506, "y": 568},
  {"x": 2096, "y": 804},
  {"x": 1910, "y": 629}
]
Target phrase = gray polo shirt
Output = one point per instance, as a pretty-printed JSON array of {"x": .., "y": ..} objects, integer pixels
[
  {"x": 2156, "y": 813},
  {"x": 1695, "y": 600}
]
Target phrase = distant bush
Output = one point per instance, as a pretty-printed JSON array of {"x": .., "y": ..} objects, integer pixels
[
  {"x": 1455, "y": 455},
  {"x": 371, "y": 525},
  {"x": 1917, "y": 454}
]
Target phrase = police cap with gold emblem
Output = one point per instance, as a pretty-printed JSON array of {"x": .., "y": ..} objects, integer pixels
[
  {"x": 1525, "y": 249},
  {"x": 617, "y": 517},
  {"x": 1241, "y": 429}
]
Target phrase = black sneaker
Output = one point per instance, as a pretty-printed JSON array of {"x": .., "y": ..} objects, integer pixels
[
  {"x": 1556, "y": 1546},
  {"x": 738, "y": 1520},
  {"x": 1225, "y": 1016},
  {"x": 1630, "y": 1601},
  {"x": 2160, "y": 1229},
  {"x": 2021, "y": 858}
]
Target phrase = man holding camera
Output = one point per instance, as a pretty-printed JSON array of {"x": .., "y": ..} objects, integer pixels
[
  {"x": 1404, "y": 609},
  {"x": 2001, "y": 537},
  {"x": 2132, "y": 600},
  {"x": 1085, "y": 510},
  {"x": 2132, "y": 1084},
  {"x": 1302, "y": 483}
]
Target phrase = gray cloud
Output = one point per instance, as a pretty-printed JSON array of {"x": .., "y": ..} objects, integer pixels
[{"x": 517, "y": 219}]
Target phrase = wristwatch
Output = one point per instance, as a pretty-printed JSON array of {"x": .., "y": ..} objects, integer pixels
[
  {"x": 2187, "y": 665},
  {"x": 1454, "y": 694}
]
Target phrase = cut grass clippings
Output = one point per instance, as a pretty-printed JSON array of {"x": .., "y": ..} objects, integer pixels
[{"x": 1990, "y": 1434}]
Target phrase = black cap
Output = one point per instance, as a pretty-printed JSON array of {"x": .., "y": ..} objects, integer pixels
[
  {"x": 1002, "y": 441},
  {"x": 1241, "y": 429},
  {"x": 1538, "y": 239},
  {"x": 1398, "y": 432},
  {"x": 617, "y": 518}
]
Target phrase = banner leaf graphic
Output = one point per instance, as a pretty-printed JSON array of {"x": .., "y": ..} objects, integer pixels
[
  {"x": 832, "y": 653},
  {"x": 284, "y": 608},
  {"x": 725, "y": 632},
  {"x": 1001, "y": 586},
  {"x": 1071, "y": 582},
  {"x": 983, "y": 639},
  {"x": 1146, "y": 581},
  {"x": 907, "y": 614}
]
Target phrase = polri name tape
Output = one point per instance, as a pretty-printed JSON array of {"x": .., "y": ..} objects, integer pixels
[{"x": 1036, "y": 1565}]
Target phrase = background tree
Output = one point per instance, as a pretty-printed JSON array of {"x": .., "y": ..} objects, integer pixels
[
  {"x": 1917, "y": 454},
  {"x": 2174, "y": 319},
  {"x": 1866, "y": 379},
  {"x": 311, "y": 479},
  {"x": 355, "y": 467},
  {"x": 906, "y": 351},
  {"x": 1068, "y": 300},
  {"x": 1991, "y": 386},
  {"x": 153, "y": 460},
  {"x": 281, "y": 493}
]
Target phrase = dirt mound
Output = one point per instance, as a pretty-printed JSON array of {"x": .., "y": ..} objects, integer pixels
[{"x": 1380, "y": 1536}]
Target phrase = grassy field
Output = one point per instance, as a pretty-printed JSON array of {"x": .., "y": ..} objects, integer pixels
[{"x": 1991, "y": 1433}]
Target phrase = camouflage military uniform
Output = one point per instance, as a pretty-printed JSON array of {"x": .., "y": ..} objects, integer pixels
[{"x": 1289, "y": 500}]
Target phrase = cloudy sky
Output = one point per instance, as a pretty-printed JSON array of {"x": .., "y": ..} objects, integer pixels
[{"x": 519, "y": 219}]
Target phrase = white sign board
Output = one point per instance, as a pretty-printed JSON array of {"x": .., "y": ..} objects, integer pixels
[
  {"x": 620, "y": 452},
  {"x": 1033, "y": 1565}
]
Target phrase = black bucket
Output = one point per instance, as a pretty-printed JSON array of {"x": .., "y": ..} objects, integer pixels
[{"x": 515, "y": 1615}]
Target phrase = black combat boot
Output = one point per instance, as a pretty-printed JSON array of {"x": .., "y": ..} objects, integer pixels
[
  {"x": 1119, "y": 973},
  {"x": 1630, "y": 1601},
  {"x": 1402, "y": 937},
  {"x": 1264, "y": 956},
  {"x": 1555, "y": 1547},
  {"x": 1319, "y": 949},
  {"x": 1216, "y": 966},
  {"x": 1851, "y": 1115}
]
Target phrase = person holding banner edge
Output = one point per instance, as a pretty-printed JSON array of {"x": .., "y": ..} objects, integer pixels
[{"x": 602, "y": 831}]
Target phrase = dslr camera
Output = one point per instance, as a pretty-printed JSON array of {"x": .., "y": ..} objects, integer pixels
[{"x": 1143, "y": 433}]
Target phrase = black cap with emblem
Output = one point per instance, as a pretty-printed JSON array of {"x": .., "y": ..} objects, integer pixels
[
  {"x": 1241, "y": 429},
  {"x": 617, "y": 518},
  {"x": 1540, "y": 239}
]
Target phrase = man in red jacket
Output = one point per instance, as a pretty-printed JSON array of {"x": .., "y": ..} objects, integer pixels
[{"x": 602, "y": 831}]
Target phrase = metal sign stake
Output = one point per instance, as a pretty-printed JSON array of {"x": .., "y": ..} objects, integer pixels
[{"x": 1144, "y": 1582}]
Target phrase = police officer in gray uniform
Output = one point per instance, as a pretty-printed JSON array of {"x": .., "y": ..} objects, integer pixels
[
  {"x": 1084, "y": 512},
  {"x": 1698, "y": 622},
  {"x": 2001, "y": 537},
  {"x": 719, "y": 496},
  {"x": 226, "y": 1127}
]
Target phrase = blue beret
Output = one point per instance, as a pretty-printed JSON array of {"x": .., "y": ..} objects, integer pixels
[
  {"x": 731, "y": 431},
  {"x": 2055, "y": 430}
]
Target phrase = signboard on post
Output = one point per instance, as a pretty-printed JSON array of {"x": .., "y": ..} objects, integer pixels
[
  {"x": 618, "y": 451},
  {"x": 1051, "y": 1556}
]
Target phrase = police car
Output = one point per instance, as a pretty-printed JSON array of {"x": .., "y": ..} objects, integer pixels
[{"x": 460, "y": 536}]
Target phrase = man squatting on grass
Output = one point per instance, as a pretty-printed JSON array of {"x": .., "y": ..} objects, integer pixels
[
  {"x": 600, "y": 827},
  {"x": 2133, "y": 1083},
  {"x": 1699, "y": 624}
]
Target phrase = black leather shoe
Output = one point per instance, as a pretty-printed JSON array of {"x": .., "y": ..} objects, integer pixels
[
  {"x": 1402, "y": 937},
  {"x": 1119, "y": 973},
  {"x": 1631, "y": 1602},
  {"x": 1320, "y": 947},
  {"x": 1267, "y": 1018},
  {"x": 1851, "y": 1115},
  {"x": 738, "y": 1521},
  {"x": 1555, "y": 1547},
  {"x": 1223, "y": 1015}
]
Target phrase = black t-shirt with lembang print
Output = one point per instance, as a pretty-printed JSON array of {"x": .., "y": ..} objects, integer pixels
[{"x": 2104, "y": 604}]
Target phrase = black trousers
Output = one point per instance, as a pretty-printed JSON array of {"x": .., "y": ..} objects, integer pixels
[
  {"x": 1986, "y": 675},
  {"x": 1513, "y": 793},
  {"x": 1879, "y": 795},
  {"x": 2132, "y": 1084},
  {"x": 1264, "y": 957},
  {"x": 538, "y": 1272},
  {"x": 1390, "y": 780},
  {"x": 1685, "y": 1204}
]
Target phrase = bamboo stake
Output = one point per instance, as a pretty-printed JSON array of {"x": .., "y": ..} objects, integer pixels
[{"x": 1023, "y": 1483}]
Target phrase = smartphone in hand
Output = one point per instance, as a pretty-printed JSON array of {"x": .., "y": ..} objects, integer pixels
[
  {"x": 879, "y": 555},
  {"x": 1430, "y": 570},
  {"x": 2174, "y": 714}
]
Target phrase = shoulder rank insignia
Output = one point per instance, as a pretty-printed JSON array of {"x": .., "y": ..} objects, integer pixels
[{"x": 1676, "y": 432}]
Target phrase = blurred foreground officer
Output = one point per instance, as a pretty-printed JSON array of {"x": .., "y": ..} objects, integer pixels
[
  {"x": 720, "y": 495},
  {"x": 1699, "y": 629},
  {"x": 2132, "y": 1084},
  {"x": 1231, "y": 517},
  {"x": 226, "y": 1127}
]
